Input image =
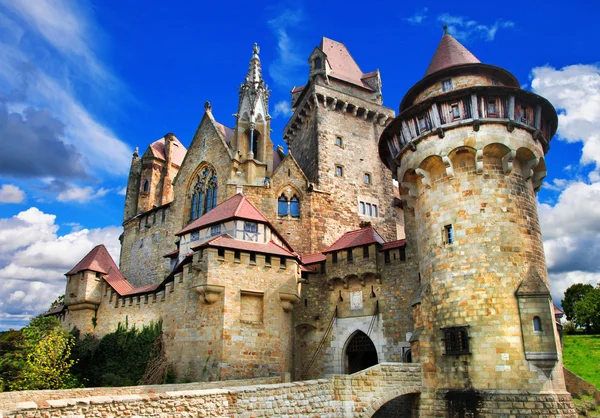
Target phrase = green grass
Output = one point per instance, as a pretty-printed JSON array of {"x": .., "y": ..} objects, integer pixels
[{"x": 581, "y": 355}]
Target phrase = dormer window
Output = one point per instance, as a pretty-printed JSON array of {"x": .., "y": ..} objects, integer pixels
[
  {"x": 250, "y": 227},
  {"x": 492, "y": 108},
  {"x": 447, "y": 85},
  {"x": 215, "y": 230},
  {"x": 455, "y": 111},
  {"x": 318, "y": 63},
  {"x": 195, "y": 236}
]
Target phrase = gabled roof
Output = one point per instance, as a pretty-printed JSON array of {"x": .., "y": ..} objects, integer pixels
[
  {"x": 450, "y": 53},
  {"x": 313, "y": 258},
  {"x": 390, "y": 245},
  {"x": 363, "y": 236},
  {"x": 237, "y": 206},
  {"x": 99, "y": 260},
  {"x": 158, "y": 150},
  {"x": 342, "y": 64},
  {"x": 227, "y": 241}
]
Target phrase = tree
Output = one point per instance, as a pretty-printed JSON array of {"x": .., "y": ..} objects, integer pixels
[
  {"x": 587, "y": 311},
  {"x": 574, "y": 294},
  {"x": 43, "y": 357}
]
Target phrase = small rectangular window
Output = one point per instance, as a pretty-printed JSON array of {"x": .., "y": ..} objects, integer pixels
[
  {"x": 455, "y": 111},
  {"x": 236, "y": 254},
  {"x": 402, "y": 254},
  {"x": 456, "y": 340},
  {"x": 368, "y": 209},
  {"x": 339, "y": 171},
  {"x": 339, "y": 142},
  {"x": 164, "y": 216},
  {"x": 447, "y": 85},
  {"x": 361, "y": 208},
  {"x": 253, "y": 257},
  {"x": 448, "y": 234},
  {"x": 195, "y": 236},
  {"x": 221, "y": 252},
  {"x": 268, "y": 259},
  {"x": 282, "y": 264},
  {"x": 374, "y": 211},
  {"x": 386, "y": 257},
  {"x": 491, "y": 107},
  {"x": 422, "y": 124},
  {"x": 367, "y": 178},
  {"x": 215, "y": 230},
  {"x": 141, "y": 242},
  {"x": 365, "y": 251},
  {"x": 334, "y": 257},
  {"x": 250, "y": 227},
  {"x": 349, "y": 256},
  {"x": 523, "y": 114}
]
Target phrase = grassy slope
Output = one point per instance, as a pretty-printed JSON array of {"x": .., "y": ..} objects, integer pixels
[{"x": 581, "y": 355}]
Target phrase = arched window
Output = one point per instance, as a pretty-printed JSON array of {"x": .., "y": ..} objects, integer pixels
[
  {"x": 146, "y": 187},
  {"x": 295, "y": 207},
  {"x": 537, "y": 324},
  {"x": 282, "y": 206},
  {"x": 204, "y": 193},
  {"x": 317, "y": 63}
]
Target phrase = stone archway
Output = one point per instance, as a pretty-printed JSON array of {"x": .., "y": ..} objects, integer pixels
[
  {"x": 404, "y": 406},
  {"x": 360, "y": 353}
]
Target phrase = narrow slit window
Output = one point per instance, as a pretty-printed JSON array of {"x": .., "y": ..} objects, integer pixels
[
  {"x": 367, "y": 178},
  {"x": 386, "y": 257},
  {"x": 448, "y": 234},
  {"x": 146, "y": 187},
  {"x": 365, "y": 251},
  {"x": 402, "y": 254},
  {"x": 339, "y": 142},
  {"x": 334, "y": 257},
  {"x": 349, "y": 256},
  {"x": 537, "y": 324},
  {"x": 339, "y": 170}
]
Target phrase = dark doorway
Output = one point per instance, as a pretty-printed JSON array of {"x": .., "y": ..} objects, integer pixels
[{"x": 360, "y": 353}]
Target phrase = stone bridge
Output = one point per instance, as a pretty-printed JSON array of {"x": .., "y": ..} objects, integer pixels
[{"x": 358, "y": 395}]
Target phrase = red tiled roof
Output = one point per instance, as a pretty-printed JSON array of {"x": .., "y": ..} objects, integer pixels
[
  {"x": 450, "y": 53},
  {"x": 227, "y": 132},
  {"x": 227, "y": 241},
  {"x": 99, "y": 260},
  {"x": 363, "y": 236},
  {"x": 178, "y": 152},
  {"x": 313, "y": 258},
  {"x": 143, "y": 289},
  {"x": 171, "y": 254},
  {"x": 557, "y": 310},
  {"x": 307, "y": 269},
  {"x": 297, "y": 89},
  {"x": 237, "y": 206},
  {"x": 342, "y": 64},
  {"x": 56, "y": 310},
  {"x": 393, "y": 244}
]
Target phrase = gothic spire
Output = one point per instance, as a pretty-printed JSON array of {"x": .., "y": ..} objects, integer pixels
[{"x": 254, "y": 94}]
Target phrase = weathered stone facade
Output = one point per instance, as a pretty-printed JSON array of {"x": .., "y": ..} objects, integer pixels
[{"x": 261, "y": 263}]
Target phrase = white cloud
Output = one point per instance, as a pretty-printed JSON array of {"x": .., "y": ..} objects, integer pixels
[
  {"x": 288, "y": 58},
  {"x": 283, "y": 108},
  {"x": 418, "y": 17},
  {"x": 123, "y": 191},
  {"x": 45, "y": 68},
  {"x": 9, "y": 193},
  {"x": 571, "y": 226},
  {"x": 32, "y": 270},
  {"x": 81, "y": 194},
  {"x": 575, "y": 91},
  {"x": 463, "y": 28}
]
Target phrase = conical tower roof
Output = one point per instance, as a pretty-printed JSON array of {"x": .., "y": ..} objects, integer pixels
[{"x": 450, "y": 53}]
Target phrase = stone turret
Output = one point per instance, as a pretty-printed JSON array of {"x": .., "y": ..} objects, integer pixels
[
  {"x": 133, "y": 186},
  {"x": 468, "y": 150},
  {"x": 253, "y": 124}
]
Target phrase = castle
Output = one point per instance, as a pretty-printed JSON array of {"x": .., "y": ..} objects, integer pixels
[{"x": 317, "y": 262}]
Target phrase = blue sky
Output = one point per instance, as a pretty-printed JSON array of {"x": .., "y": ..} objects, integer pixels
[{"x": 83, "y": 83}]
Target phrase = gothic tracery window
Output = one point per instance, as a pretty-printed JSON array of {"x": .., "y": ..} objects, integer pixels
[
  {"x": 288, "y": 206},
  {"x": 204, "y": 193}
]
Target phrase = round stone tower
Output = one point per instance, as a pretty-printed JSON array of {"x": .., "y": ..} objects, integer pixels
[{"x": 468, "y": 151}]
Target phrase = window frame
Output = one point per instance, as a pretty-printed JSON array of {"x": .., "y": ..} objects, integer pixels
[
  {"x": 367, "y": 178},
  {"x": 455, "y": 106},
  {"x": 339, "y": 141},
  {"x": 447, "y": 85},
  {"x": 448, "y": 234},
  {"x": 456, "y": 340},
  {"x": 339, "y": 170}
]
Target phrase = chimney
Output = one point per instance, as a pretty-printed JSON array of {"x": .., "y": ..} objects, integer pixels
[{"x": 169, "y": 139}]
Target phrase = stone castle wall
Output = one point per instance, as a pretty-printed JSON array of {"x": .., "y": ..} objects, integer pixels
[{"x": 210, "y": 341}]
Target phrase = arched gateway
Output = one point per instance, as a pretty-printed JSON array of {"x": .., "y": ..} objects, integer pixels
[{"x": 360, "y": 353}]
